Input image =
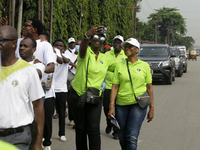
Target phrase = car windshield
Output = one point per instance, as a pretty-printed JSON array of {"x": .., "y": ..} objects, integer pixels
[
  {"x": 176, "y": 51},
  {"x": 182, "y": 51},
  {"x": 153, "y": 51}
]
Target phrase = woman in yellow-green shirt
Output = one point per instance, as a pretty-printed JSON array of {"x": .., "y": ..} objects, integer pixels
[
  {"x": 87, "y": 117},
  {"x": 127, "y": 111}
]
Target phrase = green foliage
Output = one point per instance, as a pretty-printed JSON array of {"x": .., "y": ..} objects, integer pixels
[
  {"x": 72, "y": 18},
  {"x": 170, "y": 18}
]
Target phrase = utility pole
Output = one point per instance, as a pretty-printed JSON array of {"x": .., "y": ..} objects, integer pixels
[
  {"x": 134, "y": 18},
  {"x": 168, "y": 33},
  {"x": 157, "y": 28}
]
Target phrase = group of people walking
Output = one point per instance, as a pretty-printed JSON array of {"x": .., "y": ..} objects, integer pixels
[{"x": 34, "y": 93}]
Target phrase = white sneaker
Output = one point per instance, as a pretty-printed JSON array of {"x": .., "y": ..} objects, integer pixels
[
  {"x": 63, "y": 138},
  {"x": 71, "y": 123},
  {"x": 47, "y": 148}
]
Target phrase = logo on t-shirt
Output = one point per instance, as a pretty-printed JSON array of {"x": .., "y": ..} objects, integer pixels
[
  {"x": 101, "y": 62},
  {"x": 34, "y": 57},
  {"x": 15, "y": 83},
  {"x": 138, "y": 69},
  {"x": 122, "y": 59}
]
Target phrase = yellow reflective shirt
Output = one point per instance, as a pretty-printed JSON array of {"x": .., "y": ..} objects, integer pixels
[
  {"x": 140, "y": 75},
  {"x": 96, "y": 71},
  {"x": 7, "y": 146},
  {"x": 120, "y": 57}
]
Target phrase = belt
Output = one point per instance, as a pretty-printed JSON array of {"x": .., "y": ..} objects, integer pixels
[{"x": 6, "y": 132}]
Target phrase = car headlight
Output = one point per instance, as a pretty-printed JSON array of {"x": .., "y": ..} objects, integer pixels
[
  {"x": 177, "y": 60},
  {"x": 165, "y": 63}
]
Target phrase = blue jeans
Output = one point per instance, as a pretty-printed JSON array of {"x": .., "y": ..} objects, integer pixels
[{"x": 130, "y": 118}]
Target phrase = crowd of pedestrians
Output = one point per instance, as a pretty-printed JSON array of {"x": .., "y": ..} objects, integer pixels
[{"x": 39, "y": 80}]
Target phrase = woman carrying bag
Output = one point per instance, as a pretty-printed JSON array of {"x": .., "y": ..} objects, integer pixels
[
  {"x": 132, "y": 80},
  {"x": 85, "y": 94}
]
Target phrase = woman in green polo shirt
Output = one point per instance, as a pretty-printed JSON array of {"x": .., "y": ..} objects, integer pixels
[
  {"x": 87, "y": 117},
  {"x": 128, "y": 112}
]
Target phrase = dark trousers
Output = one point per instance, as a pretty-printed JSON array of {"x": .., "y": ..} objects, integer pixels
[
  {"x": 49, "y": 111},
  {"x": 87, "y": 121},
  {"x": 60, "y": 100},
  {"x": 70, "y": 110},
  {"x": 106, "y": 103}
]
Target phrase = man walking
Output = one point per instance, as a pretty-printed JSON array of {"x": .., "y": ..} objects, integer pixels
[{"x": 21, "y": 97}]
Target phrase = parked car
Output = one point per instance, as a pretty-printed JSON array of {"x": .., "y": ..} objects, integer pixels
[
  {"x": 159, "y": 57},
  {"x": 184, "y": 61},
  {"x": 178, "y": 61}
]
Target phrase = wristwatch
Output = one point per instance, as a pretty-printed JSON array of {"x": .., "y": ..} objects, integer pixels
[{"x": 86, "y": 37}]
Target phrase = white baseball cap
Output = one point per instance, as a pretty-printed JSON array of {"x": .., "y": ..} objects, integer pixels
[
  {"x": 131, "y": 41},
  {"x": 71, "y": 40},
  {"x": 119, "y": 37}
]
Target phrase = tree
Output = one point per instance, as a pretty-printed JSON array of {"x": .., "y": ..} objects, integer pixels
[{"x": 171, "y": 19}]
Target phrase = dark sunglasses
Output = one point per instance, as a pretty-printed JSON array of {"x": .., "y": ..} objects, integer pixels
[{"x": 3, "y": 40}]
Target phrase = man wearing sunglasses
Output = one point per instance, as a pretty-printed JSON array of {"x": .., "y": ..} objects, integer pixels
[
  {"x": 21, "y": 97},
  {"x": 117, "y": 55},
  {"x": 44, "y": 53}
]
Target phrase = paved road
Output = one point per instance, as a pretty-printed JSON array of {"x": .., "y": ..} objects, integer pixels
[{"x": 176, "y": 125}]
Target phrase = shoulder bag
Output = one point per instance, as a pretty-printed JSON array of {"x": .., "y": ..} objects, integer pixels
[
  {"x": 143, "y": 100},
  {"x": 91, "y": 96}
]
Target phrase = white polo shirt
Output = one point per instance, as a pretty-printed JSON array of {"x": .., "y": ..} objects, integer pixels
[
  {"x": 61, "y": 74},
  {"x": 19, "y": 87}
]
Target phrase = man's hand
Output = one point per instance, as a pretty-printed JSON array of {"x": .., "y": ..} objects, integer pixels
[
  {"x": 4, "y": 21},
  {"x": 37, "y": 146},
  {"x": 36, "y": 61}
]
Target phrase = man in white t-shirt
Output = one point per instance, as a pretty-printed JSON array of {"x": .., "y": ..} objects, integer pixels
[
  {"x": 61, "y": 73},
  {"x": 26, "y": 49},
  {"x": 44, "y": 53},
  {"x": 21, "y": 95}
]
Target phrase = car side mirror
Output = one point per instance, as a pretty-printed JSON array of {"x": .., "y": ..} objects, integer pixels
[{"x": 173, "y": 55}]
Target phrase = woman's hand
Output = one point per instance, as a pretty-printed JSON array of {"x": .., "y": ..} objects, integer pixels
[
  {"x": 150, "y": 115},
  {"x": 111, "y": 112},
  {"x": 94, "y": 30}
]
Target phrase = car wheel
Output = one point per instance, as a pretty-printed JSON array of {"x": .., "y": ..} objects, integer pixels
[
  {"x": 179, "y": 74},
  {"x": 185, "y": 70},
  {"x": 169, "y": 80}
]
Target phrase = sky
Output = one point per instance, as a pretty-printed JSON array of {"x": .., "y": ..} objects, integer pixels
[{"x": 190, "y": 10}]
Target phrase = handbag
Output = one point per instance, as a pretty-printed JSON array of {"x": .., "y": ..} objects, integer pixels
[
  {"x": 144, "y": 99},
  {"x": 70, "y": 77},
  {"x": 91, "y": 96},
  {"x": 49, "y": 82}
]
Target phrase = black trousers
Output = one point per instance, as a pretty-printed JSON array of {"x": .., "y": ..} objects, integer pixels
[
  {"x": 49, "y": 111},
  {"x": 106, "y": 103},
  {"x": 70, "y": 110},
  {"x": 60, "y": 100},
  {"x": 87, "y": 121}
]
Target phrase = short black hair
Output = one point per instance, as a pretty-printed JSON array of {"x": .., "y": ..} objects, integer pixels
[
  {"x": 33, "y": 41},
  {"x": 37, "y": 24},
  {"x": 46, "y": 35},
  {"x": 59, "y": 40}
]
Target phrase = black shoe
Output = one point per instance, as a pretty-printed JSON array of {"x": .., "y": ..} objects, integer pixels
[
  {"x": 108, "y": 129},
  {"x": 115, "y": 135}
]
